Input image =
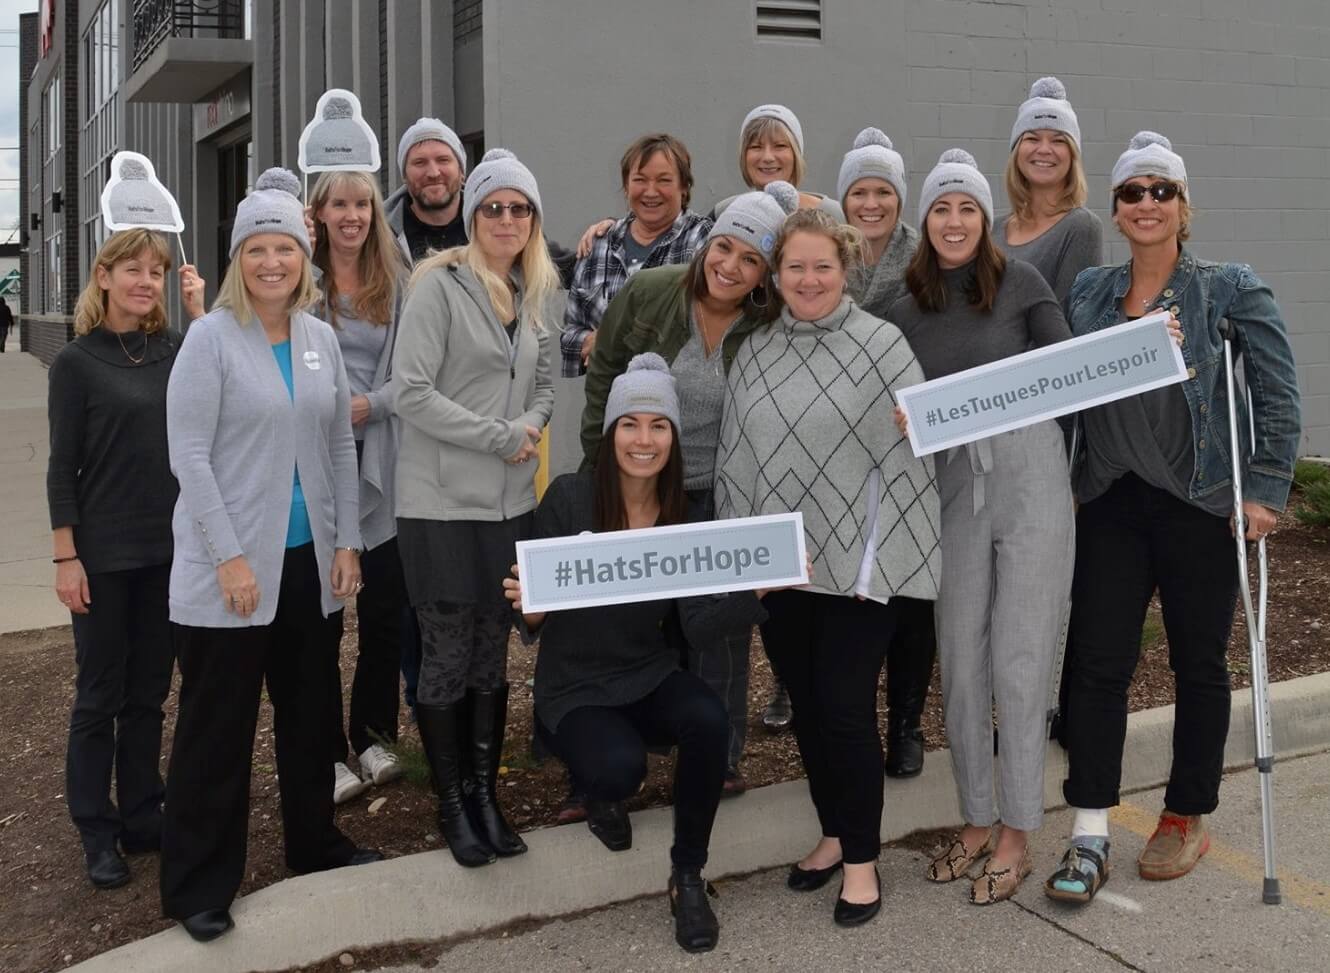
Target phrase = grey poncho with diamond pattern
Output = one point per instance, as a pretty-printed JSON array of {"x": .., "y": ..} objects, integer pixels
[{"x": 808, "y": 426}]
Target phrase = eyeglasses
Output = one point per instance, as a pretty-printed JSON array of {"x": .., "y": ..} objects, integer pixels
[
  {"x": 1134, "y": 192},
  {"x": 493, "y": 211}
]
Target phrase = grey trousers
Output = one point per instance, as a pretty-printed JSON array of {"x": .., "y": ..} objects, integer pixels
[{"x": 1008, "y": 539}]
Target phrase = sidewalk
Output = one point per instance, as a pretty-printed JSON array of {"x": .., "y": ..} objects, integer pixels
[
  {"x": 427, "y": 897},
  {"x": 26, "y": 575}
]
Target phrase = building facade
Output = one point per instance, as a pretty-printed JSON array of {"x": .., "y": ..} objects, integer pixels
[{"x": 215, "y": 90}]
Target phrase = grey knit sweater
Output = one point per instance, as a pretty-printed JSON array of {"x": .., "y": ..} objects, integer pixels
[
  {"x": 877, "y": 287},
  {"x": 808, "y": 427}
]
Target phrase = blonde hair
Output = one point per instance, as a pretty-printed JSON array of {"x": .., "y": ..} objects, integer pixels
[
  {"x": 1075, "y": 190},
  {"x": 851, "y": 247},
  {"x": 380, "y": 262},
  {"x": 539, "y": 277},
  {"x": 763, "y": 129},
  {"x": 233, "y": 295},
  {"x": 90, "y": 311}
]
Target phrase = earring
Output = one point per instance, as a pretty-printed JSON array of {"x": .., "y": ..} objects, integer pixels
[{"x": 759, "y": 304}]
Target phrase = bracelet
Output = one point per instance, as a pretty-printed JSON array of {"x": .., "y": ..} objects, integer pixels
[
  {"x": 354, "y": 550},
  {"x": 62, "y": 560}
]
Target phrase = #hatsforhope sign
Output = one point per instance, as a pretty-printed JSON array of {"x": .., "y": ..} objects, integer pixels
[
  {"x": 338, "y": 137},
  {"x": 662, "y": 562},
  {"x": 1052, "y": 381}
]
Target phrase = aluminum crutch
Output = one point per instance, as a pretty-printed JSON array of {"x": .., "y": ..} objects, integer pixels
[{"x": 1260, "y": 678}]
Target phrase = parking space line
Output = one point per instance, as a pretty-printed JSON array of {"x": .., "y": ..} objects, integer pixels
[{"x": 1300, "y": 891}]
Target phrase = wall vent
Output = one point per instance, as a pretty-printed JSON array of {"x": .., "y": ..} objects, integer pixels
[{"x": 789, "y": 20}]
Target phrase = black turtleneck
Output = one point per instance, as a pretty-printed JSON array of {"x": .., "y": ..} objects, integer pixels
[{"x": 109, "y": 477}]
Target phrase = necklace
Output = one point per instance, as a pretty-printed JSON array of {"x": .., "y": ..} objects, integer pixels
[
  {"x": 132, "y": 359},
  {"x": 708, "y": 345}
]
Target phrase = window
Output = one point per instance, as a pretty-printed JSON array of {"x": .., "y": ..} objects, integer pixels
[
  {"x": 799, "y": 20},
  {"x": 97, "y": 134},
  {"x": 52, "y": 114}
]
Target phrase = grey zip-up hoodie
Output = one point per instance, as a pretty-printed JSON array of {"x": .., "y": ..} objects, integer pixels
[{"x": 464, "y": 395}]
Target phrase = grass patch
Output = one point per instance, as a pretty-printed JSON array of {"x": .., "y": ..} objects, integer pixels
[
  {"x": 1152, "y": 632},
  {"x": 415, "y": 765},
  {"x": 1313, "y": 479}
]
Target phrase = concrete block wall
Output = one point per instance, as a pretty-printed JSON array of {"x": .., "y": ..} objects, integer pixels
[{"x": 1241, "y": 87}]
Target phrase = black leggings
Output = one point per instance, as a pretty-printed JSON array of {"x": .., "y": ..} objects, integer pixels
[
  {"x": 1132, "y": 539},
  {"x": 828, "y": 651},
  {"x": 124, "y": 652},
  {"x": 462, "y": 646},
  {"x": 605, "y": 748}
]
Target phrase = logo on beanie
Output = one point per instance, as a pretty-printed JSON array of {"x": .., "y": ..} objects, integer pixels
[
  {"x": 1048, "y": 115},
  {"x": 768, "y": 241},
  {"x": 954, "y": 181},
  {"x": 744, "y": 226},
  {"x": 269, "y": 221}
]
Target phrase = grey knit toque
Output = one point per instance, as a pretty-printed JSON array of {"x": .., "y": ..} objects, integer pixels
[
  {"x": 273, "y": 207},
  {"x": 429, "y": 130},
  {"x": 872, "y": 157},
  {"x": 1150, "y": 154},
  {"x": 781, "y": 114},
  {"x": 756, "y": 217},
  {"x": 956, "y": 172},
  {"x": 647, "y": 386},
  {"x": 1047, "y": 107},
  {"x": 500, "y": 169}
]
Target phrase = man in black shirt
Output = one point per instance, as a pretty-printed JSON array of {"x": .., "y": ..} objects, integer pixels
[{"x": 425, "y": 212}]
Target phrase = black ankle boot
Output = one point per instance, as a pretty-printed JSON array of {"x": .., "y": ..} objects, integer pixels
[
  {"x": 439, "y": 732},
  {"x": 489, "y": 713},
  {"x": 905, "y": 750},
  {"x": 696, "y": 928},
  {"x": 608, "y": 821}
]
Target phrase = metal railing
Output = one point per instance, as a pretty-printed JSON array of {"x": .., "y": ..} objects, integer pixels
[{"x": 156, "y": 20}]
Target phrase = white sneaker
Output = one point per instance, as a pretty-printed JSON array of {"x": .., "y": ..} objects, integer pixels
[
  {"x": 346, "y": 785},
  {"x": 379, "y": 765}
]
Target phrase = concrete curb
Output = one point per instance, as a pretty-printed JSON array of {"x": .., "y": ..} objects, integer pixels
[{"x": 426, "y": 896}]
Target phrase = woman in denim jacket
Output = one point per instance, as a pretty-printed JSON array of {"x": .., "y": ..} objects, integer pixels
[{"x": 1155, "y": 497}]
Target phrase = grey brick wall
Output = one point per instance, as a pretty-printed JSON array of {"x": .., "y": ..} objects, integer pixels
[{"x": 1241, "y": 87}]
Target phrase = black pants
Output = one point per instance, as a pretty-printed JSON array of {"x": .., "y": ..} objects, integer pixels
[
  {"x": 124, "y": 653},
  {"x": 222, "y": 671},
  {"x": 910, "y": 658},
  {"x": 828, "y": 651},
  {"x": 380, "y": 610},
  {"x": 1132, "y": 539},
  {"x": 605, "y": 749}
]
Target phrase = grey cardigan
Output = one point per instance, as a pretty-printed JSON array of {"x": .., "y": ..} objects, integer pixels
[
  {"x": 464, "y": 394},
  {"x": 236, "y": 439}
]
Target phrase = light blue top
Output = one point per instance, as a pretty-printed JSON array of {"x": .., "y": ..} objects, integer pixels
[{"x": 298, "y": 530}]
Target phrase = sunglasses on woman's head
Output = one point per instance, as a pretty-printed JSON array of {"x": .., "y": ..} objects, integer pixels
[
  {"x": 1133, "y": 193},
  {"x": 494, "y": 211}
]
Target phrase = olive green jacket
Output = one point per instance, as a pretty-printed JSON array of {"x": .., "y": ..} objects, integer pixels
[{"x": 650, "y": 313}]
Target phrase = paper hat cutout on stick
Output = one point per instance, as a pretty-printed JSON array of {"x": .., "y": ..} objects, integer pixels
[
  {"x": 133, "y": 197},
  {"x": 338, "y": 137}
]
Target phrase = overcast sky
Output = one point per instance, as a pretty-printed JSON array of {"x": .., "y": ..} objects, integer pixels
[{"x": 9, "y": 98}]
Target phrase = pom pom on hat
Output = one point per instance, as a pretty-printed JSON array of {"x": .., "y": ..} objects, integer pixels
[
  {"x": 648, "y": 361},
  {"x": 337, "y": 108},
  {"x": 1049, "y": 88},
  {"x": 1141, "y": 139},
  {"x": 957, "y": 156},
  {"x": 494, "y": 155},
  {"x": 279, "y": 178},
  {"x": 133, "y": 169},
  {"x": 784, "y": 194},
  {"x": 499, "y": 169},
  {"x": 872, "y": 136}
]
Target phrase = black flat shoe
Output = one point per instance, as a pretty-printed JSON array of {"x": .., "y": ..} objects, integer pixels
[
  {"x": 810, "y": 879},
  {"x": 141, "y": 844},
  {"x": 854, "y": 913},
  {"x": 106, "y": 869},
  {"x": 696, "y": 927},
  {"x": 206, "y": 926},
  {"x": 363, "y": 856},
  {"x": 608, "y": 821}
]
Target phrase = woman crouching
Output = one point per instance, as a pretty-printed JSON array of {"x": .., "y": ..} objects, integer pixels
[{"x": 601, "y": 703}]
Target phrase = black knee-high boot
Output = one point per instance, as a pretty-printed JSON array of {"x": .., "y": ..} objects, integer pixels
[
  {"x": 489, "y": 714},
  {"x": 909, "y": 671},
  {"x": 440, "y": 732}
]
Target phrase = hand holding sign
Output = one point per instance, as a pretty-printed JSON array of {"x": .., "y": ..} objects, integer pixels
[{"x": 338, "y": 137}]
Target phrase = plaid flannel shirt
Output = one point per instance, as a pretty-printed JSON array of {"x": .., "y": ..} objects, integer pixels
[{"x": 601, "y": 273}]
